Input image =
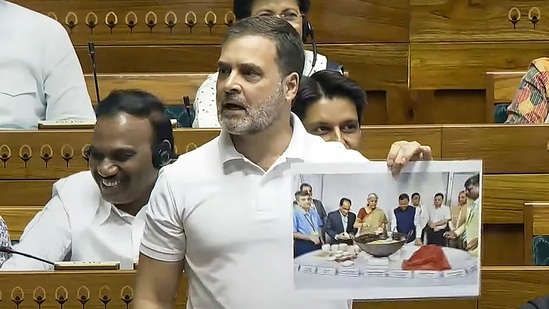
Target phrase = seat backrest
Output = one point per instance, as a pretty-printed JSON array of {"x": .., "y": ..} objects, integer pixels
[
  {"x": 536, "y": 233},
  {"x": 500, "y": 89},
  {"x": 170, "y": 87}
]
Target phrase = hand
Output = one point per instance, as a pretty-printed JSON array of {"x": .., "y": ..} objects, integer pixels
[
  {"x": 431, "y": 225},
  {"x": 418, "y": 242},
  {"x": 402, "y": 152},
  {"x": 342, "y": 236},
  {"x": 450, "y": 235},
  {"x": 472, "y": 245},
  {"x": 315, "y": 240}
]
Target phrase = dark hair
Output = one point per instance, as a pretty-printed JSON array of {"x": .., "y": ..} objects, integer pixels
[
  {"x": 440, "y": 194},
  {"x": 243, "y": 8},
  {"x": 303, "y": 185},
  {"x": 403, "y": 196},
  {"x": 343, "y": 199},
  {"x": 472, "y": 181},
  {"x": 289, "y": 47},
  {"x": 140, "y": 104},
  {"x": 416, "y": 193},
  {"x": 327, "y": 84},
  {"x": 301, "y": 193}
]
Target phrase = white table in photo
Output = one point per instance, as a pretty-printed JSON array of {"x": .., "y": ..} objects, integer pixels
[{"x": 383, "y": 278}]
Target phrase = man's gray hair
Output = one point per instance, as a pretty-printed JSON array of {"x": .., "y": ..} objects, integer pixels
[{"x": 289, "y": 47}]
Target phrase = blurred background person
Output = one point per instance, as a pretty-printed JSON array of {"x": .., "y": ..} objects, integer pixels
[
  {"x": 330, "y": 105},
  {"x": 41, "y": 77}
]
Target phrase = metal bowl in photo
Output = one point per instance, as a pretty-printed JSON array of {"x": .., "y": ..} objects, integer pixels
[{"x": 380, "y": 245}]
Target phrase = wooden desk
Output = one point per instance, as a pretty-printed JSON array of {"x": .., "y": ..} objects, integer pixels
[
  {"x": 171, "y": 87},
  {"x": 502, "y": 288}
]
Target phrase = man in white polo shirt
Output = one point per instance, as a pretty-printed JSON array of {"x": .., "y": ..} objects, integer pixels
[
  {"x": 40, "y": 74},
  {"x": 221, "y": 210}
]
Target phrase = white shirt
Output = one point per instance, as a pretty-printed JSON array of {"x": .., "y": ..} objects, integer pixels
[
  {"x": 439, "y": 213},
  {"x": 228, "y": 220},
  {"x": 205, "y": 103},
  {"x": 40, "y": 74},
  {"x": 423, "y": 216},
  {"x": 79, "y": 222}
]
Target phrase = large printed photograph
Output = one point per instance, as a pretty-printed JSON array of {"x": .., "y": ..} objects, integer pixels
[{"x": 361, "y": 233}]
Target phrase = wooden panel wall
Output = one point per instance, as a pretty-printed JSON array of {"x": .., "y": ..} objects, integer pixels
[{"x": 422, "y": 61}]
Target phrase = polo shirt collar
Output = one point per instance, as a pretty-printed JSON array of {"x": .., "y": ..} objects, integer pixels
[{"x": 296, "y": 149}]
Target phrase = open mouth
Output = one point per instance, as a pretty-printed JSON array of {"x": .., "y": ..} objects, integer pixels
[
  {"x": 233, "y": 107},
  {"x": 110, "y": 183}
]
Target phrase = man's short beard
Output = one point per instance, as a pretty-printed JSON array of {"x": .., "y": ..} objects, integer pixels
[{"x": 258, "y": 118}]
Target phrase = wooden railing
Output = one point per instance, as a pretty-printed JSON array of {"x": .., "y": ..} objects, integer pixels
[
  {"x": 502, "y": 288},
  {"x": 515, "y": 169}
]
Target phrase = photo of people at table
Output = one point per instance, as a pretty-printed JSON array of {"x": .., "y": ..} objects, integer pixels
[
  {"x": 432, "y": 217},
  {"x": 442, "y": 222}
]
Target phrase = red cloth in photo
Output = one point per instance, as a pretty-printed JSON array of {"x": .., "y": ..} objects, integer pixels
[{"x": 429, "y": 257}]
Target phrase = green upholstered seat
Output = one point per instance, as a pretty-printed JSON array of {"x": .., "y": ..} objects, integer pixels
[
  {"x": 500, "y": 113},
  {"x": 178, "y": 112},
  {"x": 540, "y": 251}
]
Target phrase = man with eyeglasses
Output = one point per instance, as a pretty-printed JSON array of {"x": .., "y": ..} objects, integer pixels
[
  {"x": 294, "y": 12},
  {"x": 470, "y": 231}
]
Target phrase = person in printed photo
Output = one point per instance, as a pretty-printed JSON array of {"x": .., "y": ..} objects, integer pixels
[
  {"x": 340, "y": 223},
  {"x": 406, "y": 220},
  {"x": 437, "y": 225},
  {"x": 470, "y": 230},
  {"x": 307, "y": 225},
  {"x": 371, "y": 219}
]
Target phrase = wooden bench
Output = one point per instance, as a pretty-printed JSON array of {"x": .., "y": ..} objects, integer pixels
[
  {"x": 171, "y": 87},
  {"x": 500, "y": 89},
  {"x": 502, "y": 288},
  {"x": 514, "y": 173}
]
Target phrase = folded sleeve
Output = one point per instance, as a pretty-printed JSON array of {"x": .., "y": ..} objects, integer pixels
[{"x": 164, "y": 234}]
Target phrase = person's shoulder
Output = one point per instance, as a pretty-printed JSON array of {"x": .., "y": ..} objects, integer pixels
[
  {"x": 76, "y": 184},
  {"x": 210, "y": 80},
  {"x": 83, "y": 178},
  {"x": 335, "y": 152},
  {"x": 540, "y": 64},
  {"x": 194, "y": 163},
  {"x": 46, "y": 26}
]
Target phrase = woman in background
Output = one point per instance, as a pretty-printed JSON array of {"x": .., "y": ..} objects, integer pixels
[
  {"x": 370, "y": 219},
  {"x": 330, "y": 105}
]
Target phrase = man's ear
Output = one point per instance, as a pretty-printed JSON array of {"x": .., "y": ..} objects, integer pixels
[{"x": 291, "y": 86}]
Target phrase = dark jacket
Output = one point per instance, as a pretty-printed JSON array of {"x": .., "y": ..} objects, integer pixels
[{"x": 334, "y": 225}]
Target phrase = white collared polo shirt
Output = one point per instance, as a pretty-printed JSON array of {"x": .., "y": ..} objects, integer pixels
[{"x": 232, "y": 223}]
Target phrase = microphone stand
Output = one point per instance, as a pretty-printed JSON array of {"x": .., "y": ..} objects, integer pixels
[
  {"x": 9, "y": 250},
  {"x": 187, "y": 104},
  {"x": 91, "y": 52}
]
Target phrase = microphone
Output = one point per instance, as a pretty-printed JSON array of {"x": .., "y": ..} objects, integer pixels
[
  {"x": 91, "y": 52},
  {"x": 187, "y": 104},
  {"x": 315, "y": 48},
  {"x": 10, "y": 250}
]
